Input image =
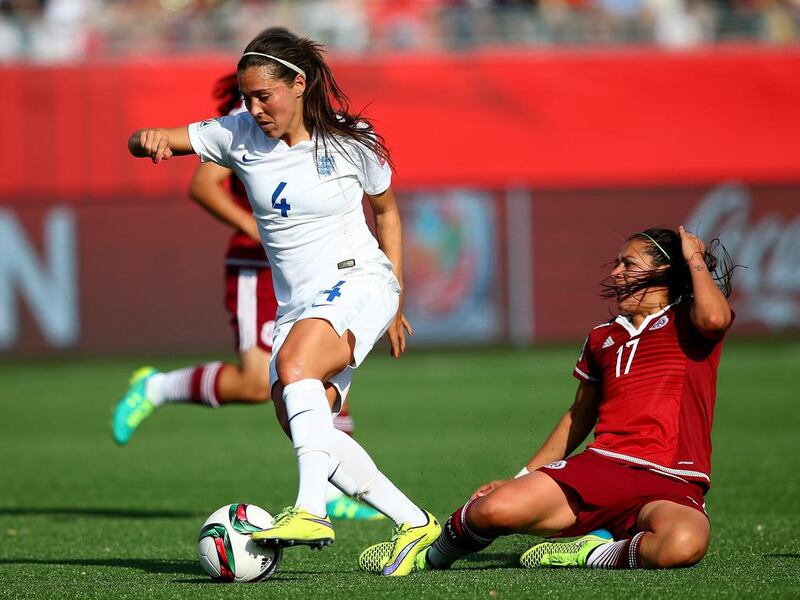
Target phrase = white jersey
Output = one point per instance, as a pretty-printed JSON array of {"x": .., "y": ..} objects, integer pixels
[{"x": 308, "y": 207}]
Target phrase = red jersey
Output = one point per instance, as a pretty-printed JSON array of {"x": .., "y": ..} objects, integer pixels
[
  {"x": 659, "y": 389},
  {"x": 243, "y": 251}
]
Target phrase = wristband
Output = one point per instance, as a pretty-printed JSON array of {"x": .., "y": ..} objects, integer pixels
[{"x": 524, "y": 471}]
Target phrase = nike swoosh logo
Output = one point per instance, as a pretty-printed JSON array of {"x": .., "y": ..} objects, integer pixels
[
  {"x": 300, "y": 413},
  {"x": 316, "y": 305},
  {"x": 319, "y": 521},
  {"x": 389, "y": 569},
  {"x": 248, "y": 160}
]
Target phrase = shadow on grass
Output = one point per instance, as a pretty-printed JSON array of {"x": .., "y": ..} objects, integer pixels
[
  {"x": 103, "y": 513},
  {"x": 148, "y": 565},
  {"x": 290, "y": 576},
  {"x": 489, "y": 560},
  {"x": 198, "y": 581},
  {"x": 209, "y": 581}
]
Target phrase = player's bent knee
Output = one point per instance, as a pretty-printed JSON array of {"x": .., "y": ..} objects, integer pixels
[
  {"x": 683, "y": 547},
  {"x": 290, "y": 369},
  {"x": 257, "y": 390},
  {"x": 496, "y": 513}
]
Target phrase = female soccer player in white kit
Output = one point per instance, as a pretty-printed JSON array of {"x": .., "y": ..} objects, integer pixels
[{"x": 306, "y": 165}]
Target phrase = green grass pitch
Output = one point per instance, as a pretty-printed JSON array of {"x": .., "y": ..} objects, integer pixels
[{"x": 81, "y": 518}]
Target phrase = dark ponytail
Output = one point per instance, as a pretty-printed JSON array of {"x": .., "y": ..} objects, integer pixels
[
  {"x": 325, "y": 106},
  {"x": 226, "y": 92},
  {"x": 664, "y": 248}
]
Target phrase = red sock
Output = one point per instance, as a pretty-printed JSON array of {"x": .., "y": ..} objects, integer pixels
[
  {"x": 343, "y": 421},
  {"x": 457, "y": 540},
  {"x": 204, "y": 386}
]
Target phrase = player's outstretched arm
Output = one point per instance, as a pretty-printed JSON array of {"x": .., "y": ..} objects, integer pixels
[
  {"x": 572, "y": 429},
  {"x": 160, "y": 144},
  {"x": 710, "y": 312},
  {"x": 208, "y": 189},
  {"x": 389, "y": 232}
]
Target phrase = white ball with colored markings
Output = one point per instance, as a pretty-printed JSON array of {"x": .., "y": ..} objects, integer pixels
[{"x": 226, "y": 551}]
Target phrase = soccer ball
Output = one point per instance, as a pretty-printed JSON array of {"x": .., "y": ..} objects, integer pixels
[{"x": 226, "y": 551}]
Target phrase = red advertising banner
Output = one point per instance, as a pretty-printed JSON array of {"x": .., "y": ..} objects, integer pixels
[
  {"x": 576, "y": 234},
  {"x": 519, "y": 176},
  {"x": 561, "y": 119}
]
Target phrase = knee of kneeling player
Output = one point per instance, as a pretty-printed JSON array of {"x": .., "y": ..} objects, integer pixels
[
  {"x": 683, "y": 547},
  {"x": 496, "y": 513}
]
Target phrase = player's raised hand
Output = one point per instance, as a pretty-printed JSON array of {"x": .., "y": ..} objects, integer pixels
[
  {"x": 691, "y": 244},
  {"x": 397, "y": 334}
]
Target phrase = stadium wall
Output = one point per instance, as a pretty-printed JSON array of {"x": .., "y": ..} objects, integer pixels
[{"x": 519, "y": 176}]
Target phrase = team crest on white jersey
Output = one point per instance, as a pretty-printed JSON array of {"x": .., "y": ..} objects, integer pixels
[
  {"x": 609, "y": 342},
  {"x": 325, "y": 165},
  {"x": 660, "y": 323},
  {"x": 559, "y": 464},
  {"x": 208, "y": 122}
]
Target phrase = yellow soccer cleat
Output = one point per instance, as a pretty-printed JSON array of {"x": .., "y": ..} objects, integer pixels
[
  {"x": 296, "y": 527},
  {"x": 564, "y": 554},
  {"x": 373, "y": 558},
  {"x": 407, "y": 543}
]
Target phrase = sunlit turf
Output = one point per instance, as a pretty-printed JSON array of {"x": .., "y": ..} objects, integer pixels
[{"x": 82, "y": 518}]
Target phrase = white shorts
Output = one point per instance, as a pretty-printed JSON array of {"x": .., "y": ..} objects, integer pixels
[{"x": 363, "y": 301}]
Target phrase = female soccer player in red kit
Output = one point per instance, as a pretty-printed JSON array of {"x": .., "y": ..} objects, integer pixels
[{"x": 647, "y": 388}]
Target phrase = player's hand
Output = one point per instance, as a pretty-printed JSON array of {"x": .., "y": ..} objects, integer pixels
[
  {"x": 397, "y": 334},
  {"x": 154, "y": 143},
  {"x": 488, "y": 487},
  {"x": 691, "y": 245}
]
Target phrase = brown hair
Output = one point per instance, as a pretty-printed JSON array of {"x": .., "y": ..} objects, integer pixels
[
  {"x": 664, "y": 248},
  {"x": 226, "y": 92},
  {"x": 325, "y": 106}
]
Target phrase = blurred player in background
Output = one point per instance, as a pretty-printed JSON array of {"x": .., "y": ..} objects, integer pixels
[
  {"x": 306, "y": 162},
  {"x": 647, "y": 387},
  {"x": 250, "y": 301}
]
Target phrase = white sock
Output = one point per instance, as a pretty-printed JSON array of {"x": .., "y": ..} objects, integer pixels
[
  {"x": 311, "y": 424},
  {"x": 355, "y": 473},
  {"x": 623, "y": 554},
  {"x": 192, "y": 384},
  {"x": 173, "y": 386}
]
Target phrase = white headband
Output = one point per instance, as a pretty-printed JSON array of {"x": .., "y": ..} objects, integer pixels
[{"x": 285, "y": 63}]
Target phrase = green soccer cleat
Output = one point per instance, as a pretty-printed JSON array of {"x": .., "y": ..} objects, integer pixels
[
  {"x": 134, "y": 407},
  {"x": 407, "y": 544},
  {"x": 347, "y": 508},
  {"x": 296, "y": 527},
  {"x": 564, "y": 554}
]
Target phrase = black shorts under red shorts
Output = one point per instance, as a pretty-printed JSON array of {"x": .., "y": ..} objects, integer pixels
[{"x": 610, "y": 494}]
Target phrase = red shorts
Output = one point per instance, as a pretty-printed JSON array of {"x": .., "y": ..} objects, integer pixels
[
  {"x": 611, "y": 494},
  {"x": 250, "y": 301}
]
